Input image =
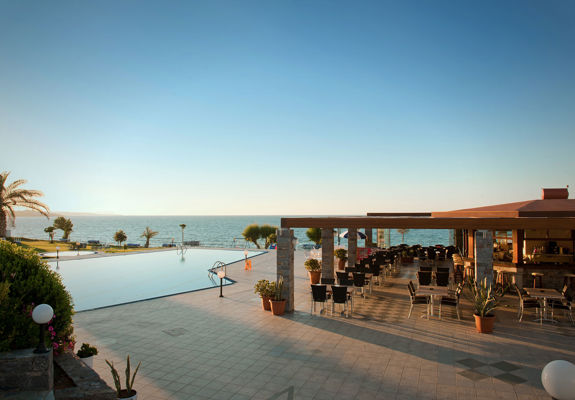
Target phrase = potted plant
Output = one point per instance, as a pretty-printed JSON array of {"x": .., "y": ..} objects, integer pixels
[
  {"x": 87, "y": 353},
  {"x": 313, "y": 266},
  {"x": 129, "y": 392},
  {"x": 278, "y": 303},
  {"x": 341, "y": 255},
  {"x": 264, "y": 289},
  {"x": 484, "y": 303}
]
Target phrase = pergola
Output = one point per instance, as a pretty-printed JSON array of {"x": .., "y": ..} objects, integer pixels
[{"x": 554, "y": 212}]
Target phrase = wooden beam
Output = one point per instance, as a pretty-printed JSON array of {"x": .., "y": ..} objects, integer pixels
[{"x": 429, "y": 223}]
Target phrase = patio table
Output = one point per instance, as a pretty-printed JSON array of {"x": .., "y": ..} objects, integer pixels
[
  {"x": 432, "y": 291},
  {"x": 544, "y": 294}
]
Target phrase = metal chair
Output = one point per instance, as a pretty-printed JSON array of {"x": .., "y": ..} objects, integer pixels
[
  {"x": 526, "y": 302},
  {"x": 318, "y": 295},
  {"x": 424, "y": 278},
  {"x": 416, "y": 300},
  {"x": 442, "y": 278},
  {"x": 340, "y": 296},
  {"x": 327, "y": 281},
  {"x": 452, "y": 301}
]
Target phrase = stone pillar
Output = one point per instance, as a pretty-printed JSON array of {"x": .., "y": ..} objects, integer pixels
[
  {"x": 369, "y": 237},
  {"x": 470, "y": 245},
  {"x": 518, "y": 235},
  {"x": 284, "y": 265},
  {"x": 327, "y": 253},
  {"x": 351, "y": 247},
  {"x": 26, "y": 375},
  {"x": 484, "y": 256}
]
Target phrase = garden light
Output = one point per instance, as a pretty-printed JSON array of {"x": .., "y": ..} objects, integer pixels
[
  {"x": 221, "y": 275},
  {"x": 558, "y": 379},
  {"x": 42, "y": 314}
]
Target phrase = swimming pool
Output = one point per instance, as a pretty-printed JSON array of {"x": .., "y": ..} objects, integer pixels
[{"x": 112, "y": 280}]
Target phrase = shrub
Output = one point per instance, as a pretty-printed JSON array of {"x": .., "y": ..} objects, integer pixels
[
  {"x": 312, "y": 265},
  {"x": 341, "y": 254},
  {"x": 87, "y": 351},
  {"x": 25, "y": 281},
  {"x": 314, "y": 234}
]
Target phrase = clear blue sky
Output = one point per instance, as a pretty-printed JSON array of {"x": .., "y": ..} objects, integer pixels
[{"x": 287, "y": 107}]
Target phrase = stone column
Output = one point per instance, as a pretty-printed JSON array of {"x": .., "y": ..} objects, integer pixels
[
  {"x": 518, "y": 236},
  {"x": 327, "y": 253},
  {"x": 470, "y": 245},
  {"x": 351, "y": 247},
  {"x": 369, "y": 237},
  {"x": 284, "y": 265},
  {"x": 484, "y": 256}
]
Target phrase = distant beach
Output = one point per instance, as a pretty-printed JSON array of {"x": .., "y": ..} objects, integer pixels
[{"x": 210, "y": 231}]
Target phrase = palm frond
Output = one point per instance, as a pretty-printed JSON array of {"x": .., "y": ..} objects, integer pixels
[{"x": 11, "y": 187}]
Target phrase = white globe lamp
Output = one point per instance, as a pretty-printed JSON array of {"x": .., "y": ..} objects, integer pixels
[
  {"x": 558, "y": 379},
  {"x": 42, "y": 314}
]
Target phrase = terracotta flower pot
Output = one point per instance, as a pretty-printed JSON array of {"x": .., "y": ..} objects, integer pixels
[
  {"x": 341, "y": 264},
  {"x": 266, "y": 303},
  {"x": 314, "y": 277},
  {"x": 278, "y": 306},
  {"x": 484, "y": 324}
]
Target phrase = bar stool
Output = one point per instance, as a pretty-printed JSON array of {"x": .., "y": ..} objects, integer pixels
[{"x": 537, "y": 276}]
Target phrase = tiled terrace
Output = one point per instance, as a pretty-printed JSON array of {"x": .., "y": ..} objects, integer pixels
[{"x": 199, "y": 346}]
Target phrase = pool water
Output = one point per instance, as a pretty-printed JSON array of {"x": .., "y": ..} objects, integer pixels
[{"x": 112, "y": 280}]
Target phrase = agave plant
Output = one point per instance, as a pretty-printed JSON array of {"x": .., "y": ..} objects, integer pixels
[
  {"x": 482, "y": 298},
  {"x": 279, "y": 287},
  {"x": 129, "y": 378}
]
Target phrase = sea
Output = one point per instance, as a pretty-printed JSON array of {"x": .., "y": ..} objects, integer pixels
[{"x": 210, "y": 231}]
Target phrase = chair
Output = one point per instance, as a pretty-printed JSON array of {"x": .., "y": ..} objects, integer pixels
[
  {"x": 526, "y": 302},
  {"x": 359, "y": 281},
  {"x": 424, "y": 277},
  {"x": 416, "y": 300},
  {"x": 340, "y": 296},
  {"x": 346, "y": 282},
  {"x": 442, "y": 278},
  {"x": 452, "y": 301},
  {"x": 327, "y": 281},
  {"x": 341, "y": 275},
  {"x": 375, "y": 272},
  {"x": 350, "y": 269},
  {"x": 318, "y": 295},
  {"x": 564, "y": 304},
  {"x": 425, "y": 269},
  {"x": 443, "y": 269},
  {"x": 431, "y": 255}
]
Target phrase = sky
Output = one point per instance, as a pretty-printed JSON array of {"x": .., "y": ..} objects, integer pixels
[{"x": 265, "y": 107}]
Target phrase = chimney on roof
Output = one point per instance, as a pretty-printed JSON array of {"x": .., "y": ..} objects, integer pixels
[{"x": 560, "y": 193}]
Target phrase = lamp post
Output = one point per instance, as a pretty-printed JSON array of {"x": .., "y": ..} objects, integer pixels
[
  {"x": 246, "y": 254},
  {"x": 78, "y": 248},
  {"x": 42, "y": 314},
  {"x": 57, "y": 257},
  {"x": 221, "y": 275}
]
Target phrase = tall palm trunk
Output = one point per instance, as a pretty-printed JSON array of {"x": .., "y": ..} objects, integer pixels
[
  {"x": 3, "y": 223},
  {"x": 147, "y": 242}
]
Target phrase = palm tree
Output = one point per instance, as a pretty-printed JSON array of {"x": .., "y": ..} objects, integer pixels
[
  {"x": 148, "y": 234},
  {"x": 120, "y": 237},
  {"x": 183, "y": 226},
  {"x": 65, "y": 225},
  {"x": 403, "y": 232},
  {"x": 11, "y": 196},
  {"x": 50, "y": 231}
]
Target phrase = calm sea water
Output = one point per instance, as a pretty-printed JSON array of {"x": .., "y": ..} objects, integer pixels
[{"x": 211, "y": 231}]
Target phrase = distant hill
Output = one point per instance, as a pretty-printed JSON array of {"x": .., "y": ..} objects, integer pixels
[{"x": 31, "y": 213}]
